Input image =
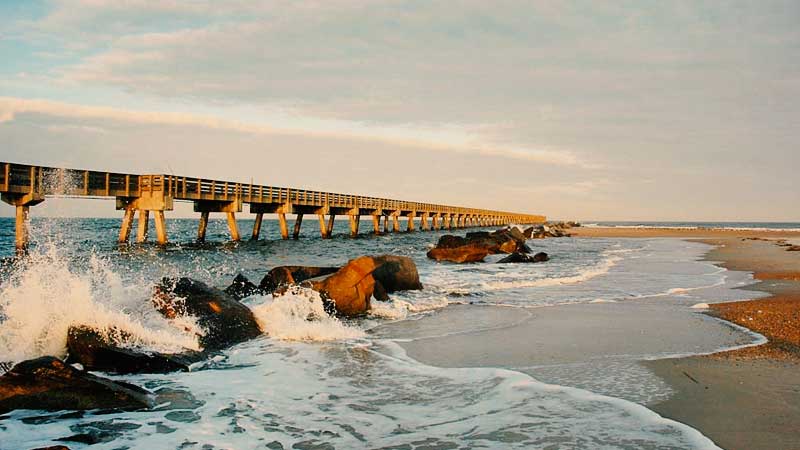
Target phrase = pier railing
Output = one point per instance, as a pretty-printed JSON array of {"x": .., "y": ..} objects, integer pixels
[{"x": 25, "y": 185}]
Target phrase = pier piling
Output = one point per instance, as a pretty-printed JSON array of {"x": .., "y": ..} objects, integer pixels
[
  {"x": 298, "y": 221},
  {"x": 257, "y": 226},
  {"x": 202, "y": 226}
]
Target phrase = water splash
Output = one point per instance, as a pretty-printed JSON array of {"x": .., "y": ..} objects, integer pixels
[
  {"x": 299, "y": 315},
  {"x": 48, "y": 292}
]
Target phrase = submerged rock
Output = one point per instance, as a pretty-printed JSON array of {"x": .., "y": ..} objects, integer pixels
[
  {"x": 47, "y": 383},
  {"x": 225, "y": 320},
  {"x": 95, "y": 351},
  {"x": 241, "y": 288},
  {"x": 523, "y": 258}
]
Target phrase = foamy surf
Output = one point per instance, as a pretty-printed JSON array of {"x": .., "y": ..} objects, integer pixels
[
  {"x": 47, "y": 294},
  {"x": 299, "y": 315}
]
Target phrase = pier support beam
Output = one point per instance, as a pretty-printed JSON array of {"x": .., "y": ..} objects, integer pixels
[
  {"x": 284, "y": 226},
  {"x": 144, "y": 225},
  {"x": 354, "y": 222},
  {"x": 423, "y": 225},
  {"x": 435, "y": 221},
  {"x": 325, "y": 228},
  {"x": 202, "y": 226},
  {"x": 410, "y": 225},
  {"x": 386, "y": 224},
  {"x": 234, "y": 229},
  {"x": 376, "y": 224},
  {"x": 161, "y": 227},
  {"x": 257, "y": 226},
  {"x": 22, "y": 203},
  {"x": 21, "y": 233},
  {"x": 230, "y": 208},
  {"x": 298, "y": 221},
  {"x": 127, "y": 225},
  {"x": 396, "y": 223},
  {"x": 153, "y": 199}
]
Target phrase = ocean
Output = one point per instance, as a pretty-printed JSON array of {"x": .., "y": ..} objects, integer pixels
[{"x": 486, "y": 356}]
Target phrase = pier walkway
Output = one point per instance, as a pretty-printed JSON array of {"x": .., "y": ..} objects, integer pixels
[{"x": 24, "y": 186}]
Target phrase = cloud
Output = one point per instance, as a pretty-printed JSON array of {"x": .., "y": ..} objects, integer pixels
[{"x": 455, "y": 139}]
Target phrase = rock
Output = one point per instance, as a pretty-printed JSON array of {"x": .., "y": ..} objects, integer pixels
[
  {"x": 477, "y": 245},
  {"x": 462, "y": 254},
  {"x": 351, "y": 287},
  {"x": 523, "y": 258},
  {"x": 515, "y": 234},
  {"x": 396, "y": 273},
  {"x": 450, "y": 241},
  {"x": 225, "y": 320},
  {"x": 53, "y": 447},
  {"x": 793, "y": 248},
  {"x": 47, "y": 383},
  {"x": 241, "y": 288},
  {"x": 287, "y": 275},
  {"x": 96, "y": 352}
]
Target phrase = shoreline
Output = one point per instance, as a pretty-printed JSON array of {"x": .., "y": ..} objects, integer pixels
[
  {"x": 683, "y": 233},
  {"x": 749, "y": 398}
]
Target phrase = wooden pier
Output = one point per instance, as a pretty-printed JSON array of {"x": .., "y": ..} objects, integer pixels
[{"x": 24, "y": 186}]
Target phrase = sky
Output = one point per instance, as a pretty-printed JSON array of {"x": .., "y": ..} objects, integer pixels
[{"x": 588, "y": 110}]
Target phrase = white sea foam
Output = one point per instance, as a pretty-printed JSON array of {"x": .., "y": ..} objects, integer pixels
[
  {"x": 602, "y": 300},
  {"x": 299, "y": 315},
  {"x": 587, "y": 274},
  {"x": 367, "y": 395},
  {"x": 46, "y": 295},
  {"x": 412, "y": 302}
]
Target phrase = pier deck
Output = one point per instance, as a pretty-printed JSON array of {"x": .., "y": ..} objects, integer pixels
[{"x": 23, "y": 186}]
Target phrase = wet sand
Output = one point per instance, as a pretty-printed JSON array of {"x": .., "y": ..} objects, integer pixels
[{"x": 746, "y": 399}]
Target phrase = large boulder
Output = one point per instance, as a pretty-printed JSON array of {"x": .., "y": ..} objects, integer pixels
[
  {"x": 47, "y": 383},
  {"x": 225, "y": 320},
  {"x": 396, "y": 273},
  {"x": 351, "y": 287},
  {"x": 96, "y": 351},
  {"x": 287, "y": 275},
  {"x": 524, "y": 258}
]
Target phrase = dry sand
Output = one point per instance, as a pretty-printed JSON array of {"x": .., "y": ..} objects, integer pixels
[{"x": 747, "y": 399}]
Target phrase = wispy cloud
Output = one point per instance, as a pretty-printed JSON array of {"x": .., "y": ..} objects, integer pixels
[{"x": 453, "y": 139}]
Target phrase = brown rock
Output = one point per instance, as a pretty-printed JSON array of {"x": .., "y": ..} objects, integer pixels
[
  {"x": 396, "y": 273},
  {"x": 463, "y": 254},
  {"x": 225, "y": 320},
  {"x": 351, "y": 287},
  {"x": 287, "y": 275},
  {"x": 47, "y": 383},
  {"x": 96, "y": 352},
  {"x": 523, "y": 258}
]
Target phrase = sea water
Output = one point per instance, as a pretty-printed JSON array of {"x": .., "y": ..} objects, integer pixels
[{"x": 329, "y": 383}]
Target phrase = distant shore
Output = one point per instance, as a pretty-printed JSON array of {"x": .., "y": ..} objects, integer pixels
[
  {"x": 745, "y": 399},
  {"x": 632, "y": 232}
]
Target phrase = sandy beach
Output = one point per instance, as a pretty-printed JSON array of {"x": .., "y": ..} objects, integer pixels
[{"x": 750, "y": 398}]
